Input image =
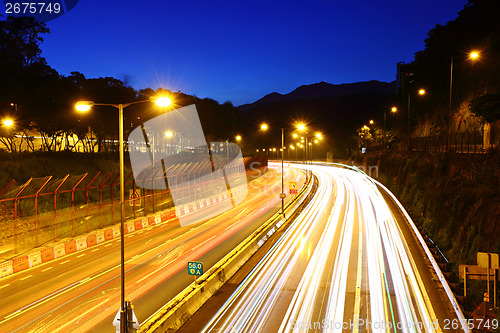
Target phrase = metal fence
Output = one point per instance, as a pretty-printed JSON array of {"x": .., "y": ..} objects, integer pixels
[
  {"x": 48, "y": 209},
  {"x": 461, "y": 143}
]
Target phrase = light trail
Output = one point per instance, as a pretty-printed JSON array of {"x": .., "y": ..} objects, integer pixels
[{"x": 352, "y": 233}]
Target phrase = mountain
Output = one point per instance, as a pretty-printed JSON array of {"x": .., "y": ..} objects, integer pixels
[{"x": 325, "y": 90}]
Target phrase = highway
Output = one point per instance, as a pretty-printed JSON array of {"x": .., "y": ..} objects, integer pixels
[
  {"x": 81, "y": 292},
  {"x": 348, "y": 263}
]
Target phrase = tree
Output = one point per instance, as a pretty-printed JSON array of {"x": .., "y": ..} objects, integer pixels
[{"x": 486, "y": 106}]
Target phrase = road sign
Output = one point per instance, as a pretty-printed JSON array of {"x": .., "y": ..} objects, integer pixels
[
  {"x": 195, "y": 268},
  {"x": 135, "y": 197},
  {"x": 294, "y": 189},
  {"x": 487, "y": 260}
]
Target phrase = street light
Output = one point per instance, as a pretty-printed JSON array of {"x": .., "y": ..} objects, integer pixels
[
  {"x": 85, "y": 106},
  {"x": 238, "y": 138},
  {"x": 393, "y": 110},
  {"x": 473, "y": 55},
  {"x": 421, "y": 92},
  {"x": 265, "y": 127},
  {"x": 8, "y": 122}
]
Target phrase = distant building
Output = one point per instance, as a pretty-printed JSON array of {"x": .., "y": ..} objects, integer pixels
[{"x": 404, "y": 76}]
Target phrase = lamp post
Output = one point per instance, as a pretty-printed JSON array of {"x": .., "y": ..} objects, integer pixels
[
  {"x": 421, "y": 92},
  {"x": 393, "y": 110},
  {"x": 84, "y": 106},
  {"x": 265, "y": 127},
  {"x": 473, "y": 55}
]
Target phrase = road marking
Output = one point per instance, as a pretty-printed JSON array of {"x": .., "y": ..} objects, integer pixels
[
  {"x": 96, "y": 249},
  {"x": 41, "y": 301},
  {"x": 24, "y": 278},
  {"x": 357, "y": 297},
  {"x": 81, "y": 255},
  {"x": 108, "y": 244},
  {"x": 82, "y": 315},
  {"x": 5, "y": 286},
  {"x": 64, "y": 262},
  {"x": 203, "y": 243},
  {"x": 46, "y": 269}
]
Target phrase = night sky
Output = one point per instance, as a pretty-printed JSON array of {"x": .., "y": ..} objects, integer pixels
[{"x": 241, "y": 50}]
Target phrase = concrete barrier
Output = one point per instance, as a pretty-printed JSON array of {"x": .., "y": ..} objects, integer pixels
[
  {"x": 130, "y": 227},
  {"x": 175, "y": 313}
]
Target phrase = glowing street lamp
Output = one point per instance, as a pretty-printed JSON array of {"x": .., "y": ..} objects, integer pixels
[
  {"x": 85, "y": 106},
  {"x": 238, "y": 138},
  {"x": 474, "y": 55},
  {"x": 393, "y": 110},
  {"x": 421, "y": 92},
  {"x": 265, "y": 127},
  {"x": 8, "y": 122},
  {"x": 371, "y": 122}
]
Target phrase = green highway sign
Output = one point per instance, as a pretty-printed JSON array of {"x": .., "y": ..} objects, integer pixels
[{"x": 195, "y": 268}]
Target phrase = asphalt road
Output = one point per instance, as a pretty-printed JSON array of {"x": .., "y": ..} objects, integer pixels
[
  {"x": 348, "y": 263},
  {"x": 81, "y": 292}
]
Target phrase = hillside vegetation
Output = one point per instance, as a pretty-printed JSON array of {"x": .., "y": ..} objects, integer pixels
[{"x": 456, "y": 197}]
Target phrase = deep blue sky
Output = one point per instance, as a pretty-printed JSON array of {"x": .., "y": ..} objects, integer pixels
[{"x": 240, "y": 50}]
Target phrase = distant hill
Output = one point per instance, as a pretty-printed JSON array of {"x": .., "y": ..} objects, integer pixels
[
  {"x": 325, "y": 90},
  {"x": 336, "y": 110}
]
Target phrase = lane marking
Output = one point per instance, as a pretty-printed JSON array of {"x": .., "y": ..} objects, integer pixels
[
  {"x": 81, "y": 255},
  {"x": 5, "y": 286},
  {"x": 357, "y": 297},
  {"x": 24, "y": 278},
  {"x": 48, "y": 268},
  {"x": 61, "y": 263}
]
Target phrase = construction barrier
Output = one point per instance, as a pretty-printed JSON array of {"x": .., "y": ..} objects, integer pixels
[
  {"x": 138, "y": 224},
  {"x": 48, "y": 254},
  {"x": 108, "y": 234},
  {"x": 70, "y": 246},
  {"x": 60, "y": 250},
  {"x": 116, "y": 231},
  {"x": 130, "y": 227},
  {"x": 6, "y": 268},
  {"x": 91, "y": 240},
  {"x": 151, "y": 220},
  {"x": 100, "y": 237},
  {"x": 81, "y": 243},
  {"x": 20, "y": 264},
  {"x": 35, "y": 259}
]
